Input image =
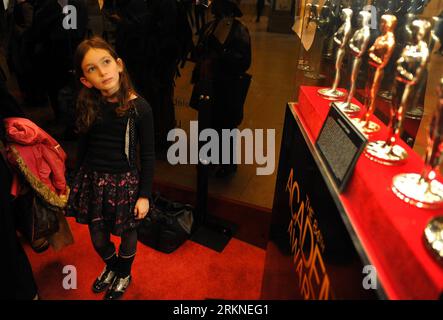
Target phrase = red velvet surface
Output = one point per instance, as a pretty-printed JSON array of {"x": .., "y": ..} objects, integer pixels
[
  {"x": 192, "y": 272},
  {"x": 390, "y": 230}
]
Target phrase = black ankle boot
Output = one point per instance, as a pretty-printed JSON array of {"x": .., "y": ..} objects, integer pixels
[
  {"x": 118, "y": 287},
  {"x": 105, "y": 279}
]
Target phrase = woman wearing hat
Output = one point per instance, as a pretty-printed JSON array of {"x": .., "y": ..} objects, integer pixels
[{"x": 222, "y": 56}]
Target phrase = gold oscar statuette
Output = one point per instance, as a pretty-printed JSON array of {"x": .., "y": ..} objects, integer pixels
[
  {"x": 341, "y": 38},
  {"x": 409, "y": 69},
  {"x": 417, "y": 110},
  {"x": 358, "y": 45},
  {"x": 379, "y": 55},
  {"x": 403, "y": 38},
  {"x": 423, "y": 190}
]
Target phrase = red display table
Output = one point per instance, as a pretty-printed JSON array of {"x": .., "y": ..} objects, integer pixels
[{"x": 389, "y": 231}]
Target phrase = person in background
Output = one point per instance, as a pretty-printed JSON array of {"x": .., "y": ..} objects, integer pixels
[
  {"x": 101, "y": 20},
  {"x": 20, "y": 53},
  {"x": 222, "y": 55},
  {"x": 130, "y": 19},
  {"x": 8, "y": 105},
  {"x": 53, "y": 48},
  {"x": 162, "y": 50}
]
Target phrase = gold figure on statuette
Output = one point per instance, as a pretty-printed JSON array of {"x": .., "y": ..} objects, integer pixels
[
  {"x": 409, "y": 70},
  {"x": 341, "y": 38},
  {"x": 423, "y": 190},
  {"x": 358, "y": 46},
  {"x": 379, "y": 55}
]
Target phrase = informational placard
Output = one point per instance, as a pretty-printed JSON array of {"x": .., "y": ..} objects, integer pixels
[{"x": 340, "y": 144}]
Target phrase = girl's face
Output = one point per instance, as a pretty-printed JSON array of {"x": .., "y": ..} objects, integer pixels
[{"x": 102, "y": 71}]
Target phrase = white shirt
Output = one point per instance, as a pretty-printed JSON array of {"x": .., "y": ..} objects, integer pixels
[{"x": 6, "y": 4}]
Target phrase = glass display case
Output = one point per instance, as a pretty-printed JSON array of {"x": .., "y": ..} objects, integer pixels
[{"x": 379, "y": 63}]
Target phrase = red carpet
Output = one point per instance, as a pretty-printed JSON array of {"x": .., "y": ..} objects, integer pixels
[{"x": 192, "y": 272}]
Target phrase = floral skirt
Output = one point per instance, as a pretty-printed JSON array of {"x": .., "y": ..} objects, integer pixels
[{"x": 104, "y": 200}]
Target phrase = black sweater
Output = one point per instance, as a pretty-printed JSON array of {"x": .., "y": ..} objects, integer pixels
[{"x": 102, "y": 149}]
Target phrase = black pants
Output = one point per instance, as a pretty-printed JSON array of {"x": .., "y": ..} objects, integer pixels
[{"x": 121, "y": 263}]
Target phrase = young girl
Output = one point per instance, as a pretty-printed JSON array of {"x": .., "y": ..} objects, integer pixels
[{"x": 108, "y": 193}]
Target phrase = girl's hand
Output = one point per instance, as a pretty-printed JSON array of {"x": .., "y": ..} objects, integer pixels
[{"x": 141, "y": 208}]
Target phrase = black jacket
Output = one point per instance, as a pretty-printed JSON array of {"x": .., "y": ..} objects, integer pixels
[{"x": 222, "y": 65}]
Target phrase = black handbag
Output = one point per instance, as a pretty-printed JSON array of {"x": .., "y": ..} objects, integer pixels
[{"x": 167, "y": 226}]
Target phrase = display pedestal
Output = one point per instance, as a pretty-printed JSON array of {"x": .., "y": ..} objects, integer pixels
[
  {"x": 327, "y": 245},
  {"x": 214, "y": 233},
  {"x": 209, "y": 231}
]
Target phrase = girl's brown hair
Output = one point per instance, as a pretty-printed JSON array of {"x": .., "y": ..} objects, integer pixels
[{"x": 89, "y": 99}]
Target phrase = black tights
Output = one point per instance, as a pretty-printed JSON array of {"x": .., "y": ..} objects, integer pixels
[{"x": 101, "y": 240}]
